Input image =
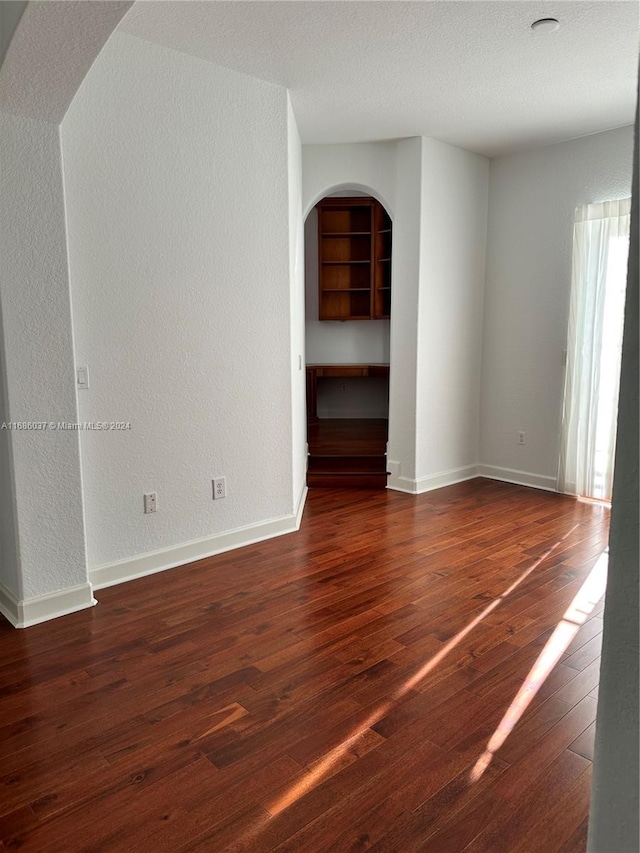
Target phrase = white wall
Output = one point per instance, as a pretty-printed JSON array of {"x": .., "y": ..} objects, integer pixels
[
  {"x": 613, "y": 817},
  {"x": 9, "y": 573},
  {"x": 43, "y": 570},
  {"x": 10, "y": 14},
  {"x": 405, "y": 295},
  {"x": 52, "y": 48},
  {"x": 455, "y": 186},
  {"x": 38, "y": 360},
  {"x": 532, "y": 201},
  {"x": 296, "y": 274},
  {"x": 367, "y": 167},
  {"x": 178, "y": 192}
]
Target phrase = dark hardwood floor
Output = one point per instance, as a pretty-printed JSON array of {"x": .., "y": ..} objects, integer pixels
[{"x": 404, "y": 674}]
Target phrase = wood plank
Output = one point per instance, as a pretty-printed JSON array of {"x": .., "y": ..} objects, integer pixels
[
  {"x": 329, "y": 690},
  {"x": 584, "y": 743},
  {"x": 521, "y": 814}
]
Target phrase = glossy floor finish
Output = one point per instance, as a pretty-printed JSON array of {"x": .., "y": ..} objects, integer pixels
[{"x": 377, "y": 681}]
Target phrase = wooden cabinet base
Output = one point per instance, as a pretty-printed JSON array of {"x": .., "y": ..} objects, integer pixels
[
  {"x": 348, "y": 453},
  {"x": 345, "y": 480}
]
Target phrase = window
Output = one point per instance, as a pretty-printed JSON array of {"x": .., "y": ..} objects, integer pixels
[{"x": 594, "y": 343}]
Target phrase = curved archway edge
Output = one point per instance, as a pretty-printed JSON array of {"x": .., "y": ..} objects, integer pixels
[
  {"x": 34, "y": 82},
  {"x": 348, "y": 185}
]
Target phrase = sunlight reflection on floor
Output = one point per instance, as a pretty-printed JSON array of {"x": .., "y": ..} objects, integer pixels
[
  {"x": 576, "y": 615},
  {"x": 323, "y": 767}
]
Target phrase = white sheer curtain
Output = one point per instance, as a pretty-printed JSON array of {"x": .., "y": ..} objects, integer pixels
[{"x": 589, "y": 418}]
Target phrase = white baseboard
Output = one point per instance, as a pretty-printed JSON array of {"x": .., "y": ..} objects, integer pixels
[
  {"x": 302, "y": 499},
  {"x": 177, "y": 555},
  {"x": 41, "y": 608},
  {"x": 518, "y": 478},
  {"x": 433, "y": 481},
  {"x": 8, "y": 606},
  {"x": 458, "y": 475},
  {"x": 393, "y": 480}
]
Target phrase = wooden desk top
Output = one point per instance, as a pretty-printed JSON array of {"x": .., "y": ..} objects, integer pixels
[{"x": 349, "y": 369}]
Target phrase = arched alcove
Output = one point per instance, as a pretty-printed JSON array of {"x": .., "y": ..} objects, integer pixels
[
  {"x": 349, "y": 356},
  {"x": 339, "y": 340}
]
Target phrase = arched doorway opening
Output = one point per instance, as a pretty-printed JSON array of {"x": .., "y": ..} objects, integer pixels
[{"x": 348, "y": 286}]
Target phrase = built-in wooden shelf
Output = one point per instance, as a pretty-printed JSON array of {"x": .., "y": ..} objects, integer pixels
[
  {"x": 346, "y": 234},
  {"x": 354, "y": 251}
]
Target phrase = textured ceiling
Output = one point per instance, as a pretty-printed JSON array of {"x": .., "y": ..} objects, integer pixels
[{"x": 469, "y": 73}]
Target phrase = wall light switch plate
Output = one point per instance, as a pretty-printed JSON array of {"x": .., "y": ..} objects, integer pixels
[{"x": 82, "y": 377}]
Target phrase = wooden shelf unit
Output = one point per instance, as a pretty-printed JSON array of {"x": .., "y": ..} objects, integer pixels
[{"x": 354, "y": 257}]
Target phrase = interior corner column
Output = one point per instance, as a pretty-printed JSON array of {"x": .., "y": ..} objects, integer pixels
[{"x": 49, "y": 575}]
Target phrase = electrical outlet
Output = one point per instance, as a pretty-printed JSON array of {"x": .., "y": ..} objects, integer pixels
[
  {"x": 343, "y": 388},
  {"x": 150, "y": 500},
  {"x": 219, "y": 488},
  {"x": 522, "y": 437}
]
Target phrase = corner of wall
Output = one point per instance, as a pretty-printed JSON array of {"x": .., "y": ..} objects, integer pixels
[
  {"x": 23, "y": 613},
  {"x": 50, "y": 548},
  {"x": 296, "y": 305}
]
